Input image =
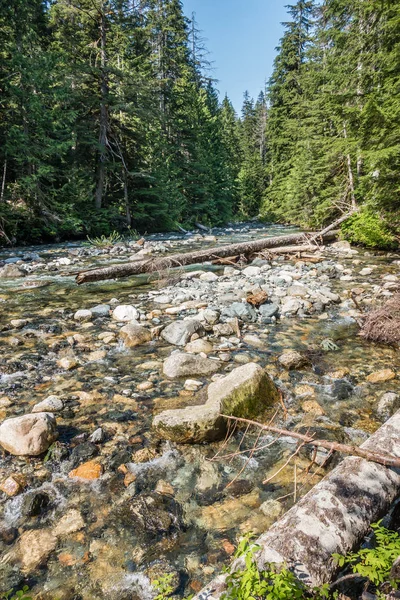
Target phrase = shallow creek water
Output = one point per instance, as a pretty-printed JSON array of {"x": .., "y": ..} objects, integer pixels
[{"x": 173, "y": 512}]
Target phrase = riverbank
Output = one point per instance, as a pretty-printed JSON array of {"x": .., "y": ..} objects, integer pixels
[{"x": 150, "y": 504}]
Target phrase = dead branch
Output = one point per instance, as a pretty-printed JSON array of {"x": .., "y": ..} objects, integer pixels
[
  {"x": 383, "y": 325},
  {"x": 382, "y": 459}
]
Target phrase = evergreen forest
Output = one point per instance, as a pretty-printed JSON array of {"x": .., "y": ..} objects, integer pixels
[{"x": 110, "y": 120}]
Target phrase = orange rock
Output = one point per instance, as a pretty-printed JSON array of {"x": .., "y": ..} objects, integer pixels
[
  {"x": 381, "y": 376},
  {"x": 228, "y": 547},
  {"x": 196, "y": 585},
  {"x": 67, "y": 559},
  {"x": 13, "y": 485},
  {"x": 128, "y": 479},
  {"x": 88, "y": 470}
]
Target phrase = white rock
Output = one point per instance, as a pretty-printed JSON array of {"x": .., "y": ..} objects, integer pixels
[
  {"x": 83, "y": 315},
  {"x": 125, "y": 313},
  {"x": 251, "y": 271},
  {"x": 209, "y": 276},
  {"x": 29, "y": 435},
  {"x": 50, "y": 404},
  {"x": 69, "y": 523}
]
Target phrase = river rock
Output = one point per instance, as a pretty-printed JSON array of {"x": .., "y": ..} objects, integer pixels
[
  {"x": 268, "y": 310},
  {"x": 125, "y": 313},
  {"x": 101, "y": 310},
  {"x": 83, "y": 315},
  {"x": 179, "y": 333},
  {"x": 89, "y": 470},
  {"x": 50, "y": 404},
  {"x": 29, "y": 435},
  {"x": 242, "y": 311},
  {"x": 388, "y": 404},
  {"x": 71, "y": 522},
  {"x": 180, "y": 364},
  {"x": 245, "y": 392},
  {"x": 199, "y": 346},
  {"x": 134, "y": 335},
  {"x": 34, "y": 547},
  {"x": 381, "y": 376},
  {"x": 34, "y": 503},
  {"x": 292, "y": 360},
  {"x": 11, "y": 272}
]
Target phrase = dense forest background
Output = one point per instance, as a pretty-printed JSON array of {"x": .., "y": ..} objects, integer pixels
[{"x": 110, "y": 120}]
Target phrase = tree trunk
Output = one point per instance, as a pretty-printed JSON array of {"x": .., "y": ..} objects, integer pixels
[
  {"x": 104, "y": 125},
  {"x": 200, "y": 256}
]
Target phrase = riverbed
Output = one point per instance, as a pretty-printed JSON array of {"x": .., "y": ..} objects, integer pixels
[{"x": 157, "y": 506}]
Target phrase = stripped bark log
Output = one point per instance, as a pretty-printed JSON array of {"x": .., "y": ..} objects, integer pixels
[
  {"x": 200, "y": 256},
  {"x": 333, "y": 517}
]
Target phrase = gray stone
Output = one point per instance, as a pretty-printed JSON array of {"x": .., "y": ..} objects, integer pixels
[
  {"x": 268, "y": 310},
  {"x": 242, "y": 311},
  {"x": 180, "y": 364},
  {"x": 179, "y": 333},
  {"x": 101, "y": 310},
  {"x": 29, "y": 435}
]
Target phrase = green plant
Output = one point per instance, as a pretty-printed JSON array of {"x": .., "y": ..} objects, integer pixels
[
  {"x": 163, "y": 586},
  {"x": 19, "y": 595},
  {"x": 374, "y": 563},
  {"x": 253, "y": 584},
  {"x": 104, "y": 241}
]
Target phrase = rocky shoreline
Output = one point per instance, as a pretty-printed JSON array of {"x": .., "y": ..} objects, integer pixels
[{"x": 106, "y": 405}]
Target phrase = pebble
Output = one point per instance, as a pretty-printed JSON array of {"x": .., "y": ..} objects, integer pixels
[{"x": 381, "y": 376}]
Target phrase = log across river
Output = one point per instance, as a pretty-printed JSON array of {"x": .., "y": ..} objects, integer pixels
[{"x": 200, "y": 256}]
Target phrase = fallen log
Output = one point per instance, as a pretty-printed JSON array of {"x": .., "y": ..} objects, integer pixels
[
  {"x": 199, "y": 256},
  {"x": 333, "y": 517}
]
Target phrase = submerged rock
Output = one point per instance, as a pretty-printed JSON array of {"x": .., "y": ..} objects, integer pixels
[
  {"x": 245, "y": 392},
  {"x": 388, "y": 404},
  {"x": 292, "y": 360},
  {"x": 134, "y": 335},
  {"x": 180, "y": 364},
  {"x": 29, "y": 435},
  {"x": 34, "y": 547},
  {"x": 179, "y": 333}
]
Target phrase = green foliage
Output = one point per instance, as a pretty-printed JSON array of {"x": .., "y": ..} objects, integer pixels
[
  {"x": 163, "y": 586},
  {"x": 368, "y": 227},
  {"x": 19, "y": 595},
  {"x": 374, "y": 563},
  {"x": 105, "y": 241}
]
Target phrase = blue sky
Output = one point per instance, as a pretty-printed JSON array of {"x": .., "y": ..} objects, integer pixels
[{"x": 241, "y": 36}]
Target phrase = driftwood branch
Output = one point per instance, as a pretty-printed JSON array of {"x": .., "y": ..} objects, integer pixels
[
  {"x": 381, "y": 459},
  {"x": 197, "y": 257}
]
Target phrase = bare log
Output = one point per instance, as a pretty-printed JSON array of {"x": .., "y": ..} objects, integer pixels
[
  {"x": 334, "y": 225},
  {"x": 190, "y": 258},
  {"x": 381, "y": 459}
]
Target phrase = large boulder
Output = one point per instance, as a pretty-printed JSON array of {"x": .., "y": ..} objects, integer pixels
[
  {"x": 246, "y": 392},
  {"x": 180, "y": 364},
  {"x": 29, "y": 435},
  {"x": 11, "y": 272},
  {"x": 134, "y": 335},
  {"x": 179, "y": 333}
]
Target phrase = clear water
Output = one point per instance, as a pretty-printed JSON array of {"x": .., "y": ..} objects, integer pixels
[{"x": 111, "y": 555}]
